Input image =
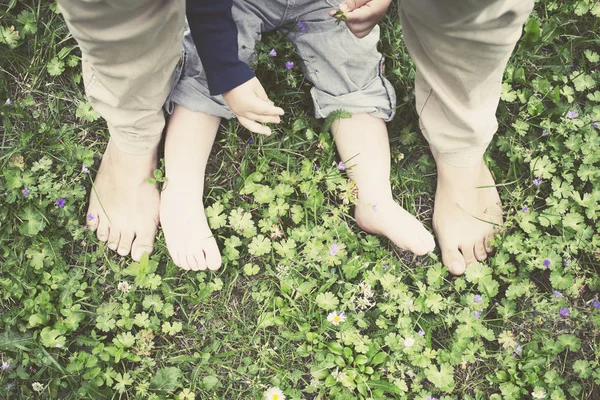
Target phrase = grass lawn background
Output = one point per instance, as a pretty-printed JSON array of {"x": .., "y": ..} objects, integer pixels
[{"x": 524, "y": 323}]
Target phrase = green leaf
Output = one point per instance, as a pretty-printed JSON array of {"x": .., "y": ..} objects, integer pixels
[
  {"x": 33, "y": 221},
  {"x": 52, "y": 337},
  {"x": 211, "y": 382},
  {"x": 435, "y": 302},
  {"x": 27, "y": 18},
  {"x": 85, "y": 112},
  {"x": 259, "y": 246},
  {"x": 335, "y": 348},
  {"x": 9, "y": 36},
  {"x": 592, "y": 56},
  {"x": 55, "y": 67},
  {"x": 124, "y": 340},
  {"x": 582, "y": 368},
  {"x": 251, "y": 269},
  {"x": 327, "y": 301},
  {"x": 166, "y": 380},
  {"x": 443, "y": 378},
  {"x": 570, "y": 342},
  {"x": 264, "y": 195},
  {"x": 215, "y": 215},
  {"x": 476, "y": 272},
  {"x": 172, "y": 329},
  {"x": 123, "y": 381}
]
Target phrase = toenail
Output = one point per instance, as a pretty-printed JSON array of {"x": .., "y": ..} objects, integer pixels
[{"x": 456, "y": 267}]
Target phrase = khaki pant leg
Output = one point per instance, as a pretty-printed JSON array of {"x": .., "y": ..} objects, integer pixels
[
  {"x": 129, "y": 52},
  {"x": 460, "y": 49}
]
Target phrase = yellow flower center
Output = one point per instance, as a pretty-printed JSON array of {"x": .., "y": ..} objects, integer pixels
[
  {"x": 336, "y": 318},
  {"x": 275, "y": 396}
]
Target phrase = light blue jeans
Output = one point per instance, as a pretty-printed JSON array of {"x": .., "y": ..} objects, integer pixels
[{"x": 346, "y": 72}]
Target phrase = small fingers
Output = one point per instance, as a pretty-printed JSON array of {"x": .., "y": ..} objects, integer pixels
[
  {"x": 263, "y": 119},
  {"x": 265, "y": 107},
  {"x": 254, "y": 126}
]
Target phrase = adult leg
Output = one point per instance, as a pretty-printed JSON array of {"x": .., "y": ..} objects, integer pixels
[
  {"x": 129, "y": 52},
  {"x": 347, "y": 74},
  {"x": 460, "y": 49}
]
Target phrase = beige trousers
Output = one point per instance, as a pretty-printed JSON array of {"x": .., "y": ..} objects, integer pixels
[
  {"x": 130, "y": 49},
  {"x": 460, "y": 49}
]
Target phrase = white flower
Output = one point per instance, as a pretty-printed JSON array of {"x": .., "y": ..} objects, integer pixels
[
  {"x": 538, "y": 394},
  {"x": 409, "y": 342},
  {"x": 274, "y": 394},
  {"x": 5, "y": 365},
  {"x": 38, "y": 387},
  {"x": 124, "y": 287},
  {"x": 336, "y": 318}
]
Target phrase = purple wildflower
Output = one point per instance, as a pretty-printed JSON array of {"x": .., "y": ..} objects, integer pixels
[
  {"x": 596, "y": 304},
  {"x": 518, "y": 347},
  {"x": 477, "y": 299},
  {"x": 9, "y": 386},
  {"x": 25, "y": 192},
  {"x": 273, "y": 53},
  {"x": 545, "y": 133},
  {"x": 564, "y": 312},
  {"x": 341, "y": 166},
  {"x": 289, "y": 65},
  {"x": 477, "y": 314},
  {"x": 315, "y": 166},
  {"x": 537, "y": 181},
  {"x": 8, "y": 102},
  {"x": 572, "y": 114},
  {"x": 301, "y": 26},
  {"x": 421, "y": 332},
  {"x": 5, "y": 366},
  {"x": 595, "y": 125},
  {"x": 60, "y": 202},
  {"x": 525, "y": 209},
  {"x": 85, "y": 169},
  {"x": 431, "y": 398},
  {"x": 557, "y": 294},
  {"x": 90, "y": 216},
  {"x": 547, "y": 263},
  {"x": 333, "y": 249}
]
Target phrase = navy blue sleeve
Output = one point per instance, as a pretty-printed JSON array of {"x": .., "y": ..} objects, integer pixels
[{"x": 215, "y": 35}]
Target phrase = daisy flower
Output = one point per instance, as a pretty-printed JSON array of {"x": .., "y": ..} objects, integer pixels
[{"x": 274, "y": 394}]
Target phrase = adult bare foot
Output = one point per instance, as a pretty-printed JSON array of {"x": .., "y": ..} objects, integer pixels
[
  {"x": 385, "y": 217},
  {"x": 467, "y": 211},
  {"x": 189, "y": 140},
  {"x": 123, "y": 205}
]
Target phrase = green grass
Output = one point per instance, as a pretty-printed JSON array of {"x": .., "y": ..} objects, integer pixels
[{"x": 261, "y": 321}]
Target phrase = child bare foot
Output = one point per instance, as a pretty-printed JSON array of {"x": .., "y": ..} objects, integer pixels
[
  {"x": 190, "y": 137},
  {"x": 385, "y": 217},
  {"x": 467, "y": 212},
  {"x": 362, "y": 142},
  {"x": 123, "y": 205}
]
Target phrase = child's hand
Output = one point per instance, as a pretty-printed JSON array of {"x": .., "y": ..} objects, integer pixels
[
  {"x": 250, "y": 103},
  {"x": 361, "y": 16}
]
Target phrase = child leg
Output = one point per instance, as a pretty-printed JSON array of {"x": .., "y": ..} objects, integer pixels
[
  {"x": 362, "y": 142},
  {"x": 195, "y": 119},
  {"x": 347, "y": 74},
  {"x": 190, "y": 136}
]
